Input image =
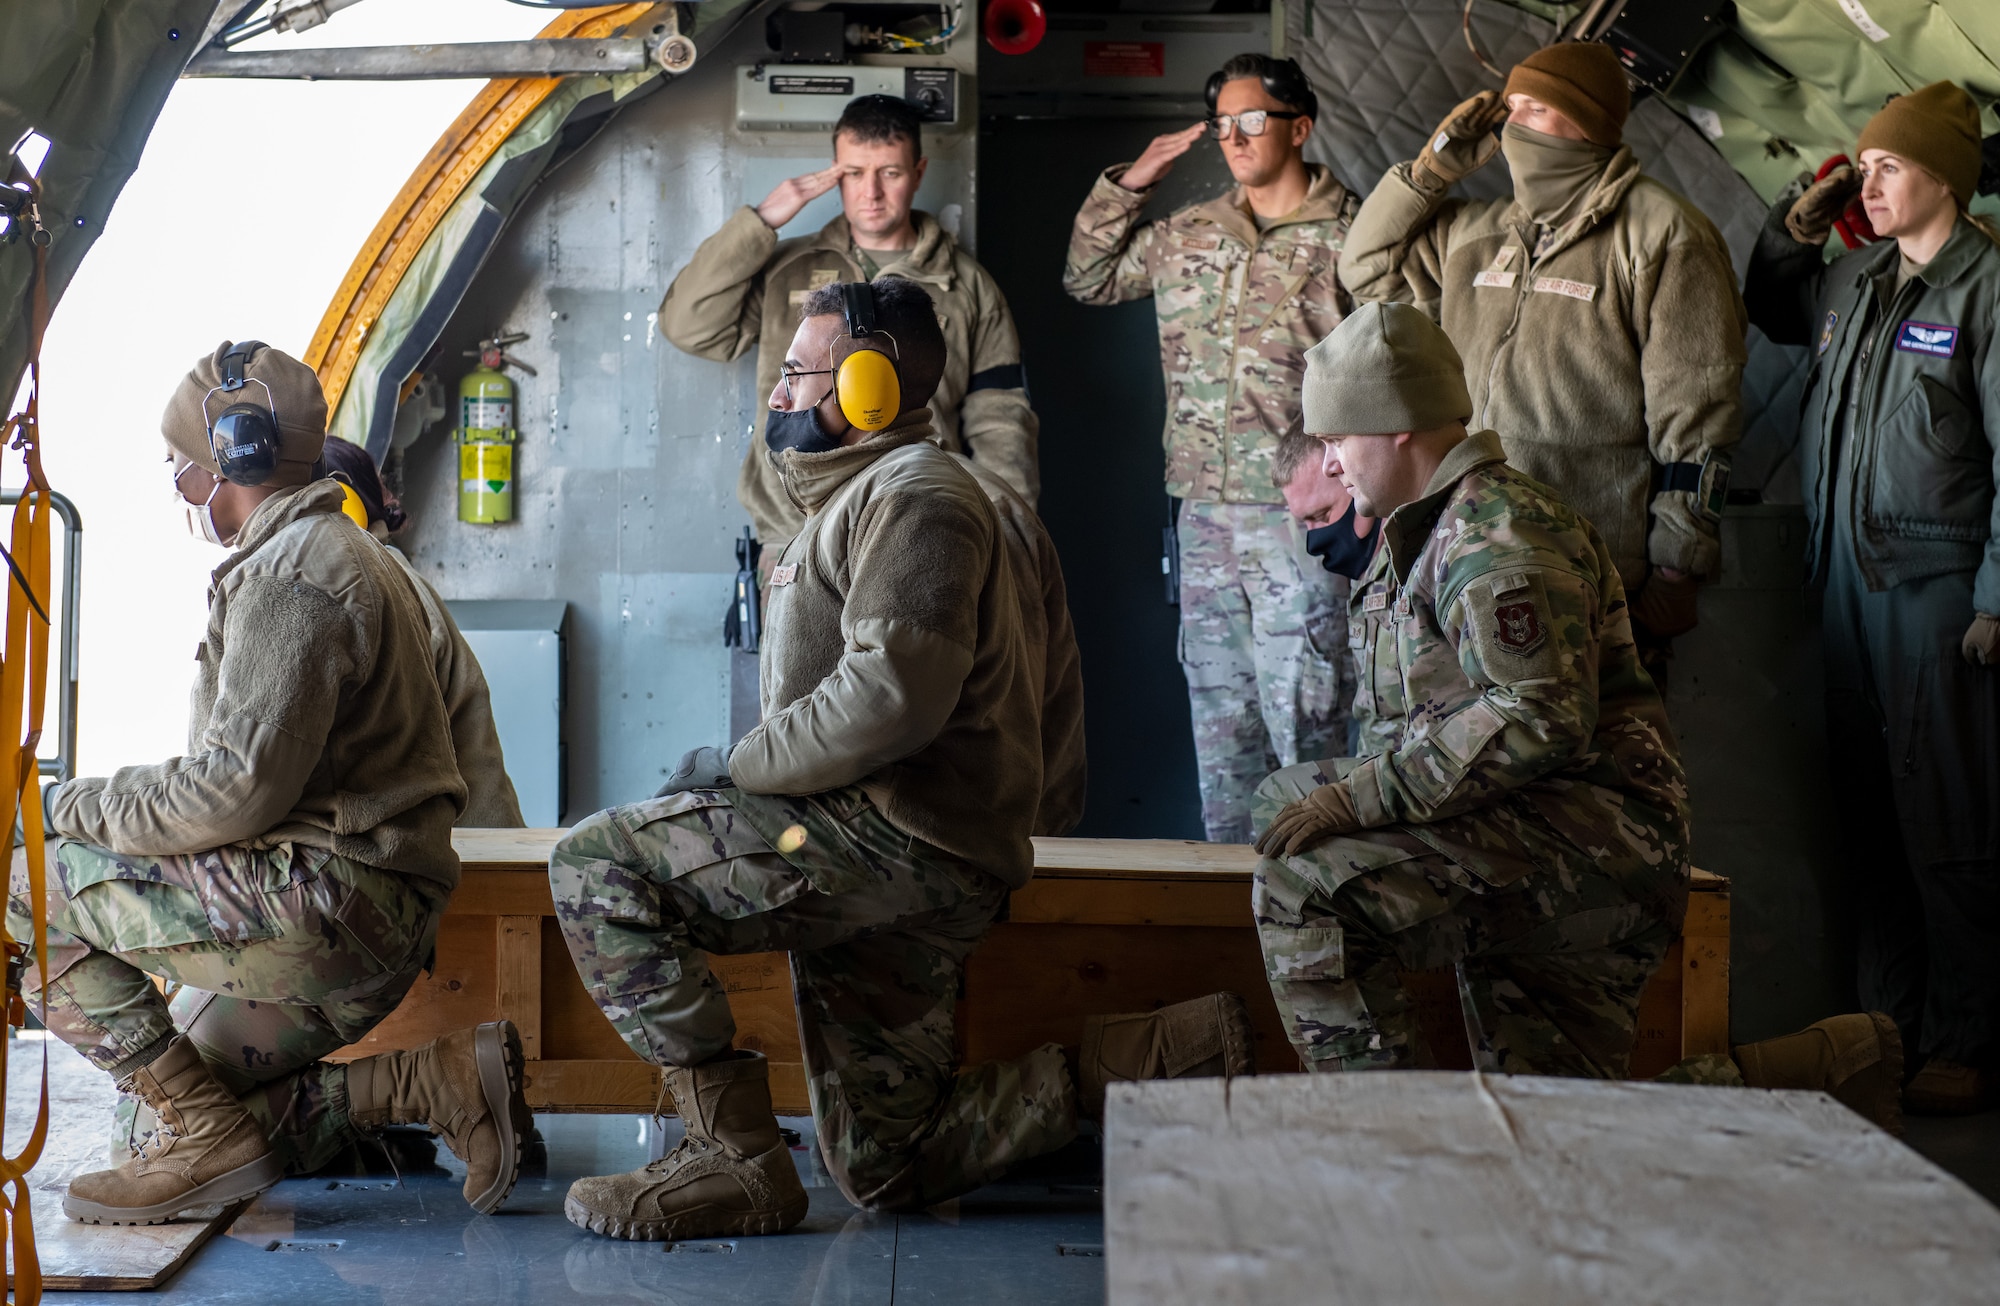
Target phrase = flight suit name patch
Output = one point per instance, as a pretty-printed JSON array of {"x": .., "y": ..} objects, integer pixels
[
  {"x": 1929, "y": 338},
  {"x": 1496, "y": 279}
]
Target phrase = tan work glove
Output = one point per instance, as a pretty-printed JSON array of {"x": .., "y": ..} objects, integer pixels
[
  {"x": 1981, "y": 644},
  {"x": 1810, "y": 219},
  {"x": 1326, "y": 811},
  {"x": 1665, "y": 607},
  {"x": 1463, "y": 143}
]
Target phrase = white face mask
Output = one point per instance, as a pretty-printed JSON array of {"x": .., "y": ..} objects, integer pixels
[{"x": 200, "y": 518}]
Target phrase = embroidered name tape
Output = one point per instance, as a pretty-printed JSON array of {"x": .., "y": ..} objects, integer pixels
[
  {"x": 1927, "y": 338},
  {"x": 1202, "y": 242},
  {"x": 1495, "y": 278},
  {"x": 1375, "y": 602},
  {"x": 786, "y": 574},
  {"x": 1582, "y": 290}
]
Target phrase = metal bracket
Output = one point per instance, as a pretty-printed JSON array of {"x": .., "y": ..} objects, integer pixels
[{"x": 672, "y": 53}]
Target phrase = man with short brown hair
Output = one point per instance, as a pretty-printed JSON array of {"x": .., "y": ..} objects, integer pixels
[{"x": 743, "y": 288}]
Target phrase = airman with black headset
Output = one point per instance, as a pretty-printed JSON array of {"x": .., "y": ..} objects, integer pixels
[
  {"x": 872, "y": 825},
  {"x": 289, "y": 870}
]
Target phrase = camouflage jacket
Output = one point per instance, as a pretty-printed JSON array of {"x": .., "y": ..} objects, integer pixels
[
  {"x": 1238, "y": 308},
  {"x": 742, "y": 290},
  {"x": 1499, "y": 677},
  {"x": 1607, "y": 351}
]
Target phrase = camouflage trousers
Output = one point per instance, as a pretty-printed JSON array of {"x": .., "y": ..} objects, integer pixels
[
  {"x": 1263, "y": 644},
  {"x": 1550, "y": 966},
  {"x": 282, "y": 956},
  {"x": 879, "y": 926}
]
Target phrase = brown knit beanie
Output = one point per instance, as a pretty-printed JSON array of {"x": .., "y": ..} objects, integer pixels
[
  {"x": 1581, "y": 79},
  {"x": 1936, "y": 128},
  {"x": 299, "y": 404}
]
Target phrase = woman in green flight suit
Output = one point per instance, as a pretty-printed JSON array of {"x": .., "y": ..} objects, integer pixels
[{"x": 1899, "y": 451}]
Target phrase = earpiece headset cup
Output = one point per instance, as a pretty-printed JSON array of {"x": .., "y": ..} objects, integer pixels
[
  {"x": 351, "y": 505},
  {"x": 870, "y": 392},
  {"x": 244, "y": 438},
  {"x": 866, "y": 383}
]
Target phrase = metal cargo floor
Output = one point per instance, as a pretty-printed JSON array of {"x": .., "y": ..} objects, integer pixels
[{"x": 1035, "y": 1238}]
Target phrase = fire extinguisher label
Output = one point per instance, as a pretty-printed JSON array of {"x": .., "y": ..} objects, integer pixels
[
  {"x": 491, "y": 463},
  {"x": 488, "y": 414}
]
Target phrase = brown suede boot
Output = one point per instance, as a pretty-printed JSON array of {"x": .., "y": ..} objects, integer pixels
[
  {"x": 1946, "y": 1088},
  {"x": 731, "y": 1175},
  {"x": 1858, "y": 1058},
  {"x": 1204, "y": 1038},
  {"x": 467, "y": 1087},
  {"x": 205, "y": 1151}
]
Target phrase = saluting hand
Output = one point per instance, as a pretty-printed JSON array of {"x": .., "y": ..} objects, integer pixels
[
  {"x": 1158, "y": 160},
  {"x": 1464, "y": 142},
  {"x": 784, "y": 203},
  {"x": 1812, "y": 215}
]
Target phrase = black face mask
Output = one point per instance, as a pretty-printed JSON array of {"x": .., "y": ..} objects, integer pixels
[
  {"x": 802, "y": 431},
  {"x": 1340, "y": 550}
]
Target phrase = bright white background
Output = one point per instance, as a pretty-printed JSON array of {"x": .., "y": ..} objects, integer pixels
[{"x": 247, "y": 207}]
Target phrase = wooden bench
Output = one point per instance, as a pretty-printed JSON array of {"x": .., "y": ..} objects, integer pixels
[{"x": 1107, "y": 925}]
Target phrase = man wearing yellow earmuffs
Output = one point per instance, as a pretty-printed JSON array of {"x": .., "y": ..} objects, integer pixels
[{"x": 873, "y": 825}]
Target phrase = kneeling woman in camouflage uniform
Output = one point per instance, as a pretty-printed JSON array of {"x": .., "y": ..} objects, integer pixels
[
  {"x": 872, "y": 826},
  {"x": 289, "y": 870},
  {"x": 1527, "y": 818}
]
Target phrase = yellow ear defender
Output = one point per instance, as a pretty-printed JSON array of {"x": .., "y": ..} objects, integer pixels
[
  {"x": 865, "y": 382},
  {"x": 350, "y": 503}
]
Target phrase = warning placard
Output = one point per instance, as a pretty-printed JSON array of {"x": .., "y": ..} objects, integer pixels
[{"x": 1124, "y": 59}]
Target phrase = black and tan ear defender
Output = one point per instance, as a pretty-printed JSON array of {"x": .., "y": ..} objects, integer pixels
[
  {"x": 244, "y": 436},
  {"x": 865, "y": 381}
]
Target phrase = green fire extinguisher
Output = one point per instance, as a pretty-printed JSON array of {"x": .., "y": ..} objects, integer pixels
[{"x": 486, "y": 433}]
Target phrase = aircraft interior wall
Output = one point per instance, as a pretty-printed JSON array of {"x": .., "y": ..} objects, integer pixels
[{"x": 629, "y": 454}]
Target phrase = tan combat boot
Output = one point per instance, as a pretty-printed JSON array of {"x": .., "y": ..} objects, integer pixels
[
  {"x": 731, "y": 1175},
  {"x": 1858, "y": 1058},
  {"x": 1946, "y": 1088},
  {"x": 206, "y": 1149},
  {"x": 467, "y": 1087},
  {"x": 1204, "y": 1038}
]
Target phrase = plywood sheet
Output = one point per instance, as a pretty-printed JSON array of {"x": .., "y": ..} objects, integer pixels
[
  {"x": 1429, "y": 1187},
  {"x": 88, "y": 1257}
]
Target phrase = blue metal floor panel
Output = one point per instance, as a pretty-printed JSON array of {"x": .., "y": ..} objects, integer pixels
[{"x": 411, "y": 1239}]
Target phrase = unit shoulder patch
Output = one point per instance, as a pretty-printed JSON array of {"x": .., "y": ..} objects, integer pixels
[
  {"x": 1509, "y": 621},
  {"x": 1826, "y": 330}
]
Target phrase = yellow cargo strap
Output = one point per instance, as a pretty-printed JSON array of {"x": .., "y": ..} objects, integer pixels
[{"x": 24, "y": 679}]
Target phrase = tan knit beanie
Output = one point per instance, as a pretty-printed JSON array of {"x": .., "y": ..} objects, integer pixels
[
  {"x": 1387, "y": 368},
  {"x": 1936, "y": 128},
  {"x": 294, "y": 393},
  {"x": 1581, "y": 79}
]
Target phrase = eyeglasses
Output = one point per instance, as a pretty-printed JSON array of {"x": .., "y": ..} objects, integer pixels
[
  {"x": 1250, "y": 123},
  {"x": 788, "y": 377}
]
